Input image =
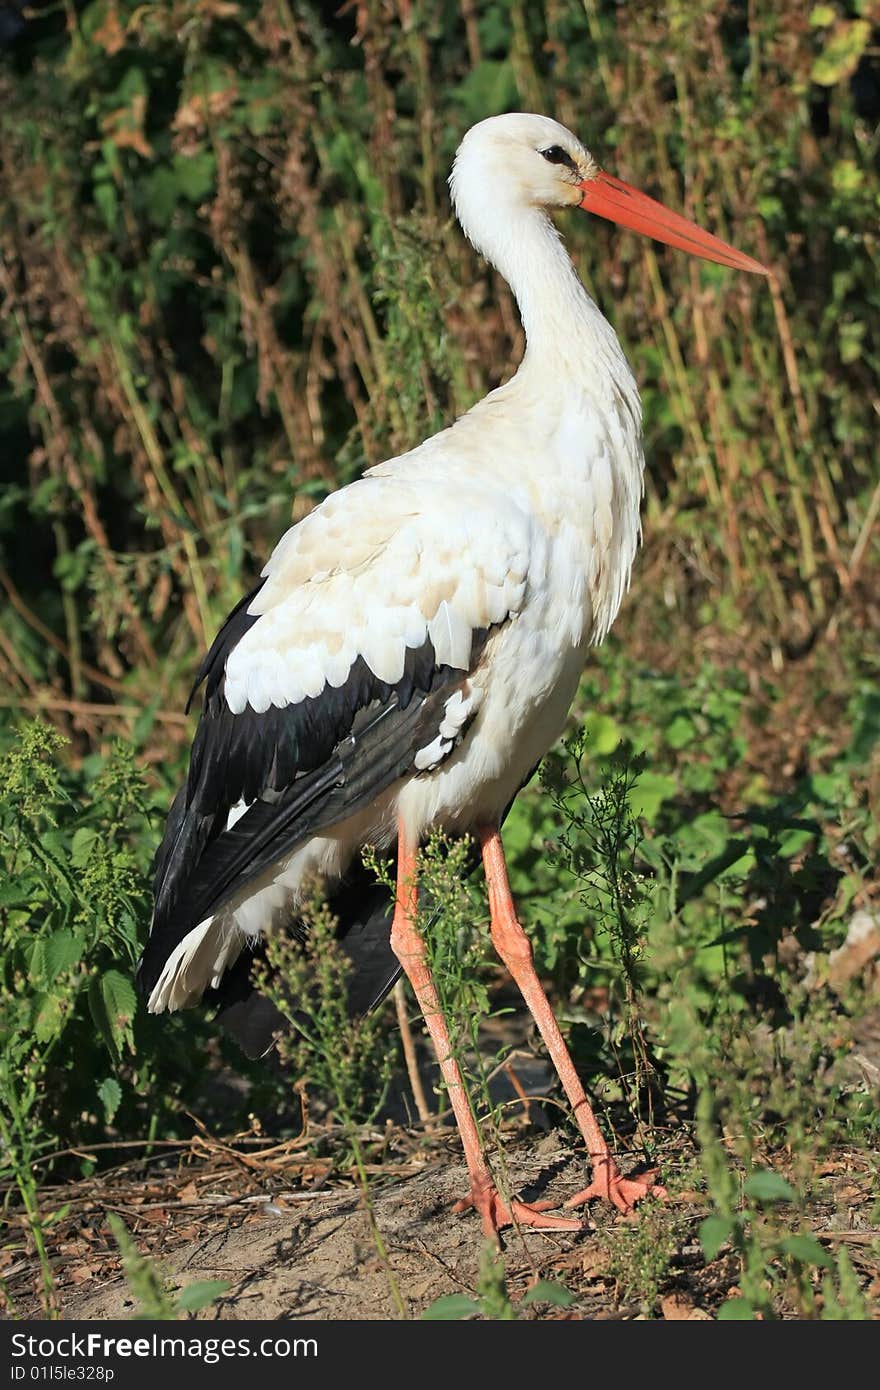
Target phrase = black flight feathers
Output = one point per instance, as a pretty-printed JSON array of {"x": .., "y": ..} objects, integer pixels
[
  {"x": 363, "y": 910},
  {"x": 300, "y": 769}
]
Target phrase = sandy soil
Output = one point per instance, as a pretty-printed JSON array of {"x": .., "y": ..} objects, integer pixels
[
  {"x": 314, "y": 1256},
  {"x": 305, "y": 1252},
  {"x": 288, "y": 1230}
]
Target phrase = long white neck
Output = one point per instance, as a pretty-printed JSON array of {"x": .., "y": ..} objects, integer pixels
[
  {"x": 576, "y": 392},
  {"x": 565, "y": 331}
]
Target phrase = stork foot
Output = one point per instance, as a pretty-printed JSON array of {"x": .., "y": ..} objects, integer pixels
[
  {"x": 495, "y": 1213},
  {"x": 621, "y": 1192}
]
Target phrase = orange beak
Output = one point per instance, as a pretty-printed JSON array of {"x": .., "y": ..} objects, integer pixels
[{"x": 609, "y": 197}]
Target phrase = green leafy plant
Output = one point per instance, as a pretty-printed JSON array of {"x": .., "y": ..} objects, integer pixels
[
  {"x": 491, "y": 1299},
  {"x": 758, "y": 1219},
  {"x": 640, "y": 1257},
  {"x": 346, "y": 1059},
  {"x": 69, "y": 909},
  {"x": 598, "y": 844},
  {"x": 151, "y": 1288}
]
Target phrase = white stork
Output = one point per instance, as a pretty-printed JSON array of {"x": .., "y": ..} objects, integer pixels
[{"x": 416, "y": 641}]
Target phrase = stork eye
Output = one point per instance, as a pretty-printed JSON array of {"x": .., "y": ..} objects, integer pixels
[{"x": 557, "y": 155}]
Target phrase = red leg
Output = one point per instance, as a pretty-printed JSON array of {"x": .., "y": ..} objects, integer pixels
[
  {"x": 515, "y": 950},
  {"x": 409, "y": 947}
]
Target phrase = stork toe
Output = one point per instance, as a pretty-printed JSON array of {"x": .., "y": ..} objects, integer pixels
[
  {"x": 621, "y": 1192},
  {"x": 496, "y": 1213}
]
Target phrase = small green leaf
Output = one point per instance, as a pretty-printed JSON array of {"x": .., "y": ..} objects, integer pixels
[
  {"x": 603, "y": 733},
  {"x": 808, "y": 1251},
  {"x": 736, "y": 1310},
  {"x": 450, "y": 1308},
  {"x": 200, "y": 1295},
  {"x": 195, "y": 174},
  {"x": 714, "y": 1232},
  {"x": 60, "y": 951},
  {"x": 846, "y": 177},
  {"x": 652, "y": 789},
  {"x": 18, "y": 894},
  {"x": 680, "y": 732},
  {"x": 110, "y": 1095},
  {"x": 548, "y": 1291},
  {"x": 98, "y": 1011},
  {"x": 120, "y": 1002},
  {"x": 106, "y": 202},
  {"x": 765, "y": 1186},
  {"x": 48, "y": 1018},
  {"x": 112, "y": 1003},
  {"x": 81, "y": 845},
  {"x": 792, "y": 842}
]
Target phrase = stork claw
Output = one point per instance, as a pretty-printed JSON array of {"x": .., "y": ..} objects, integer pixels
[
  {"x": 621, "y": 1192},
  {"x": 496, "y": 1214}
]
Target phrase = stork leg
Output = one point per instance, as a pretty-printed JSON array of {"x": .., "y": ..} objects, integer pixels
[
  {"x": 408, "y": 945},
  {"x": 514, "y": 948}
]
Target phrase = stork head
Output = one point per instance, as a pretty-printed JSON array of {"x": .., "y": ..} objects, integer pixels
[{"x": 509, "y": 163}]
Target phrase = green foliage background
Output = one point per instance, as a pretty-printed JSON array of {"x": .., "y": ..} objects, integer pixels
[{"x": 230, "y": 282}]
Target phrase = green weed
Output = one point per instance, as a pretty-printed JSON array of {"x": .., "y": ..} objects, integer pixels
[
  {"x": 491, "y": 1299},
  {"x": 759, "y": 1218},
  {"x": 641, "y": 1255},
  {"x": 347, "y": 1060},
  {"x": 151, "y": 1288},
  {"x": 69, "y": 906}
]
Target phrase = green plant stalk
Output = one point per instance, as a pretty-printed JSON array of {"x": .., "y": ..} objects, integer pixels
[
  {"x": 143, "y": 1278},
  {"x": 18, "y": 1149}
]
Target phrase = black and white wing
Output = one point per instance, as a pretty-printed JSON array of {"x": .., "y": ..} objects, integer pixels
[{"x": 345, "y": 672}]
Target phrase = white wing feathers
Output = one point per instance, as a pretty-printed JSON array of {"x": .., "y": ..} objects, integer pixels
[
  {"x": 458, "y": 710},
  {"x": 377, "y": 568}
]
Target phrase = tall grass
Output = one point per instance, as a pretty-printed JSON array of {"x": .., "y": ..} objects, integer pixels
[{"x": 230, "y": 281}]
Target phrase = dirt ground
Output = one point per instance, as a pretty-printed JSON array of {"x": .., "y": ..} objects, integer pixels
[
  {"x": 312, "y": 1255},
  {"x": 293, "y": 1240},
  {"x": 286, "y": 1227}
]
